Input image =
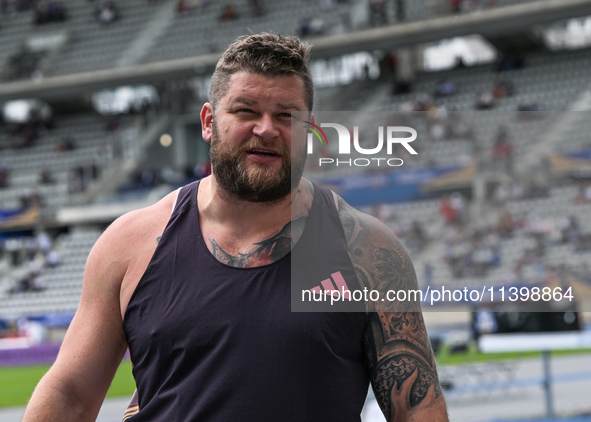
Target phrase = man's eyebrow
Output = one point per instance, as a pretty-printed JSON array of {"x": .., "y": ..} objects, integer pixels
[
  {"x": 243, "y": 101},
  {"x": 289, "y": 107},
  {"x": 246, "y": 101}
]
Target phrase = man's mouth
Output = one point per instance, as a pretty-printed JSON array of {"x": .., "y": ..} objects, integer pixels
[{"x": 263, "y": 152}]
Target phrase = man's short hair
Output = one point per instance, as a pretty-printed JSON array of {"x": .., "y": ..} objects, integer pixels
[{"x": 263, "y": 54}]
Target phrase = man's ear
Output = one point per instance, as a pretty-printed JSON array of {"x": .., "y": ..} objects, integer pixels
[
  {"x": 312, "y": 118},
  {"x": 207, "y": 121}
]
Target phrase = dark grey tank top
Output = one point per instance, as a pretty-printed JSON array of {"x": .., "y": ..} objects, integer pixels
[{"x": 211, "y": 342}]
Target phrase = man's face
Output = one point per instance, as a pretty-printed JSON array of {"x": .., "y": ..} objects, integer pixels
[{"x": 251, "y": 137}]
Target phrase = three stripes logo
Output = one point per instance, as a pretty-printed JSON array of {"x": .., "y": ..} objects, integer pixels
[{"x": 327, "y": 287}]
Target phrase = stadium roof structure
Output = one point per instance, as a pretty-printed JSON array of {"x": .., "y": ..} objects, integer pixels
[{"x": 490, "y": 23}]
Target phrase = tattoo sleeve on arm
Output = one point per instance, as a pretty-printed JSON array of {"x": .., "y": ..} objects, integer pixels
[
  {"x": 402, "y": 369},
  {"x": 398, "y": 352}
]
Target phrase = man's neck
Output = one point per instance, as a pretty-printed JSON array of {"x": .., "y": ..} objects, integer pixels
[{"x": 220, "y": 207}]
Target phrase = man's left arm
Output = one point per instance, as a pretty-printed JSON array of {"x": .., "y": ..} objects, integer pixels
[{"x": 399, "y": 358}]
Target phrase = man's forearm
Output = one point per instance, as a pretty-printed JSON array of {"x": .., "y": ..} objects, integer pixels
[{"x": 402, "y": 369}]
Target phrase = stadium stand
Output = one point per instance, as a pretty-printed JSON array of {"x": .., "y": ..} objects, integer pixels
[
  {"x": 61, "y": 284},
  {"x": 156, "y": 31}
]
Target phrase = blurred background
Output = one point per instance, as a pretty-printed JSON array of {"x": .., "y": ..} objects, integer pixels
[{"x": 100, "y": 115}]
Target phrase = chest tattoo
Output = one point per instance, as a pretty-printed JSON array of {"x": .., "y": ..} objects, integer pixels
[{"x": 265, "y": 252}]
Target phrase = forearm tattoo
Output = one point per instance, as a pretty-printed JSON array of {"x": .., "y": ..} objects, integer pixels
[{"x": 398, "y": 353}]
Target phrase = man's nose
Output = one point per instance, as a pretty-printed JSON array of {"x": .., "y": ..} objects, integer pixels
[{"x": 266, "y": 127}]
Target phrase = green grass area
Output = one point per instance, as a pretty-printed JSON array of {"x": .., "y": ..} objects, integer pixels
[
  {"x": 18, "y": 382},
  {"x": 472, "y": 355}
]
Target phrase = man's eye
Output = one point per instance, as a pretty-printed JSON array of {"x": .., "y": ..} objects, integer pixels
[
  {"x": 245, "y": 110},
  {"x": 288, "y": 115}
]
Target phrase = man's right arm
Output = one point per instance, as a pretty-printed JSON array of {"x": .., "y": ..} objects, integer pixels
[{"x": 75, "y": 386}]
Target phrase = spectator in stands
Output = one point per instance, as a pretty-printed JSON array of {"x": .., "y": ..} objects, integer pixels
[
  {"x": 44, "y": 242},
  {"x": 183, "y": 7},
  {"x": 447, "y": 211},
  {"x": 584, "y": 271},
  {"x": 484, "y": 100},
  {"x": 584, "y": 195},
  {"x": 40, "y": 117},
  {"x": 49, "y": 11},
  {"x": 437, "y": 132},
  {"x": 570, "y": 229},
  {"x": 445, "y": 88},
  {"x": 314, "y": 26},
  {"x": 455, "y": 6},
  {"x": 77, "y": 180},
  {"x": 506, "y": 223},
  {"x": 529, "y": 110},
  {"x": 400, "y": 10},
  {"x": 428, "y": 270},
  {"x": 502, "y": 89},
  {"x": 510, "y": 61},
  {"x": 582, "y": 243},
  {"x": 31, "y": 201},
  {"x": 23, "y": 136},
  {"x": 345, "y": 13},
  {"x": 3, "y": 175},
  {"x": 423, "y": 102},
  {"x": 106, "y": 12},
  {"x": 65, "y": 144},
  {"x": 53, "y": 258},
  {"x": 32, "y": 282},
  {"x": 536, "y": 189},
  {"x": 46, "y": 178},
  {"x": 117, "y": 121},
  {"x": 304, "y": 30},
  {"x": 112, "y": 148},
  {"x": 502, "y": 150},
  {"x": 415, "y": 238},
  {"x": 228, "y": 13},
  {"x": 529, "y": 107},
  {"x": 256, "y": 7},
  {"x": 22, "y": 65},
  {"x": 382, "y": 212},
  {"x": 458, "y": 203},
  {"x": 377, "y": 13}
]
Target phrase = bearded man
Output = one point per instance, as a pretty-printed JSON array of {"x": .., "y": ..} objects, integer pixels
[{"x": 198, "y": 285}]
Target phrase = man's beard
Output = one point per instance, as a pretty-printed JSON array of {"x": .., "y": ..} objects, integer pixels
[{"x": 256, "y": 182}]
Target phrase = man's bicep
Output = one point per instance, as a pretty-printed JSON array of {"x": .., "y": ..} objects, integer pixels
[{"x": 397, "y": 348}]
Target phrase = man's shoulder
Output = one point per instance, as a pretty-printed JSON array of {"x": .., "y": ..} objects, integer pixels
[
  {"x": 352, "y": 218},
  {"x": 356, "y": 222},
  {"x": 143, "y": 218},
  {"x": 135, "y": 227},
  {"x": 377, "y": 254}
]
